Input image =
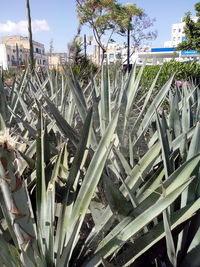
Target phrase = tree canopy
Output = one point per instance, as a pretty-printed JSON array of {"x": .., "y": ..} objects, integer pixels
[
  {"x": 141, "y": 30},
  {"x": 106, "y": 16},
  {"x": 192, "y": 31}
]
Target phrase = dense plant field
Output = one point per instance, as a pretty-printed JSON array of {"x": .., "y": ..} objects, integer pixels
[
  {"x": 76, "y": 187},
  {"x": 183, "y": 71}
]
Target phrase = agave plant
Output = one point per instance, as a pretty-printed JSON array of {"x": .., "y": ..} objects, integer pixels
[{"x": 76, "y": 189}]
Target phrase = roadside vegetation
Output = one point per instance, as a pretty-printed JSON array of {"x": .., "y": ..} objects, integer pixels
[
  {"x": 94, "y": 171},
  {"x": 183, "y": 71},
  {"x": 76, "y": 187}
]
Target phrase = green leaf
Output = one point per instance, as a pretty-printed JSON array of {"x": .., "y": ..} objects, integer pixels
[
  {"x": 152, "y": 108},
  {"x": 116, "y": 200},
  {"x": 106, "y": 249},
  {"x": 105, "y": 99},
  {"x": 146, "y": 241},
  {"x": 3, "y": 102},
  {"x": 135, "y": 177},
  {"x": 9, "y": 255},
  {"x": 71, "y": 182},
  {"x": 147, "y": 98},
  {"x": 90, "y": 181},
  {"x": 166, "y": 153},
  {"x": 169, "y": 239},
  {"x": 62, "y": 124}
]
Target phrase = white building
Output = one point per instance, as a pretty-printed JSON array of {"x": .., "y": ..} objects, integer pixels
[
  {"x": 4, "y": 54},
  {"x": 177, "y": 33}
]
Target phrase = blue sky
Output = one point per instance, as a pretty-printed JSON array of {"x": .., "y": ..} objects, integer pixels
[{"x": 57, "y": 19}]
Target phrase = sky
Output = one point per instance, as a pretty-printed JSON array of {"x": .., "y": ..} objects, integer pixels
[{"x": 57, "y": 19}]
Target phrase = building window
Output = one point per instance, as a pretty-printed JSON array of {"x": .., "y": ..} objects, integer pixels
[
  {"x": 8, "y": 57},
  {"x": 174, "y": 39},
  {"x": 37, "y": 50},
  {"x": 179, "y": 30},
  {"x": 118, "y": 55},
  {"x": 174, "y": 30},
  {"x": 111, "y": 55}
]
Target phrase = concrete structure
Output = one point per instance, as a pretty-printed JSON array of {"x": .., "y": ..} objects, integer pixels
[
  {"x": 56, "y": 59},
  {"x": 157, "y": 56},
  {"x": 14, "y": 51}
]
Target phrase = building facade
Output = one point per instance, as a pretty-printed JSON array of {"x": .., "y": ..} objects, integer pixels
[
  {"x": 55, "y": 60},
  {"x": 152, "y": 56},
  {"x": 114, "y": 53},
  {"x": 177, "y": 33},
  {"x": 14, "y": 51}
]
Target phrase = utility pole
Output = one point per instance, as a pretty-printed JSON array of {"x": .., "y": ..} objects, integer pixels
[
  {"x": 128, "y": 45},
  {"x": 85, "y": 45},
  {"x": 128, "y": 50}
]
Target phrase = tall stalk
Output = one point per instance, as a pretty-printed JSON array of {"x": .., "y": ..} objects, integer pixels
[{"x": 31, "y": 56}]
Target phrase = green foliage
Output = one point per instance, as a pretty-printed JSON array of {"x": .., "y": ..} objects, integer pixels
[
  {"x": 184, "y": 71},
  {"x": 87, "y": 183},
  {"x": 192, "y": 31},
  {"x": 106, "y": 15},
  {"x": 10, "y": 74},
  {"x": 81, "y": 65}
]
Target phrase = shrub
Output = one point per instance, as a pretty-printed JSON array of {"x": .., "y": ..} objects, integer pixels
[{"x": 184, "y": 71}]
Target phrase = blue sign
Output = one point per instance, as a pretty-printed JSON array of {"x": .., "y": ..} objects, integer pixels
[
  {"x": 165, "y": 49},
  {"x": 188, "y": 53}
]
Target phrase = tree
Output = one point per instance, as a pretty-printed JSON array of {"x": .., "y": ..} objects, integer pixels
[
  {"x": 192, "y": 32},
  {"x": 106, "y": 17},
  {"x": 73, "y": 45},
  {"x": 140, "y": 32},
  {"x": 81, "y": 65}
]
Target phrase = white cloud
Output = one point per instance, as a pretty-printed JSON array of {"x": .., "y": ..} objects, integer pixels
[{"x": 21, "y": 27}]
